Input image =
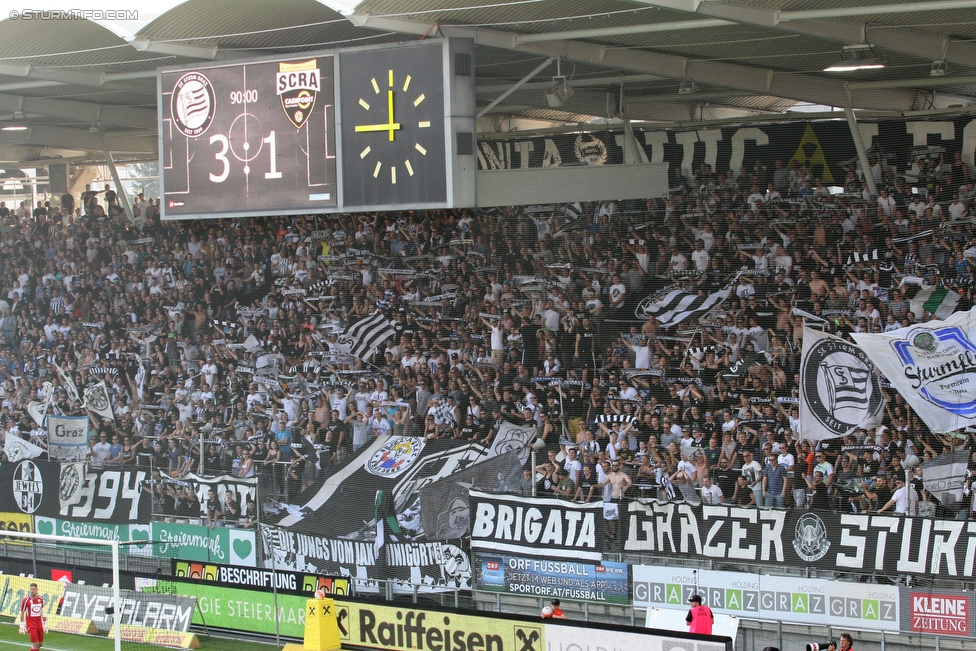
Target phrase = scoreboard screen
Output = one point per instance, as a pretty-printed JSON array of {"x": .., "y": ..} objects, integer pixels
[{"x": 255, "y": 138}]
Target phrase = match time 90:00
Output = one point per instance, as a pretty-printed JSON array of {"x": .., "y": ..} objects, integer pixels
[{"x": 243, "y": 96}]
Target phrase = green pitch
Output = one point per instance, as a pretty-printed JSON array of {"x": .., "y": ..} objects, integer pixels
[{"x": 11, "y": 640}]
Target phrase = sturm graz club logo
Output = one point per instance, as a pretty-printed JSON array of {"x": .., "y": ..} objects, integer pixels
[
  {"x": 193, "y": 104},
  {"x": 28, "y": 486},
  {"x": 70, "y": 481},
  {"x": 97, "y": 399},
  {"x": 840, "y": 386},
  {"x": 810, "y": 538}
]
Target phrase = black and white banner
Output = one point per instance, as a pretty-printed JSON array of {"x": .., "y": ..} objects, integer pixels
[
  {"x": 104, "y": 495},
  {"x": 169, "y": 612},
  {"x": 67, "y": 437},
  {"x": 678, "y": 305},
  {"x": 444, "y": 508},
  {"x": 430, "y": 566},
  {"x": 536, "y": 526},
  {"x": 839, "y": 388},
  {"x": 365, "y": 336},
  {"x": 30, "y": 486},
  {"x": 800, "y": 539}
]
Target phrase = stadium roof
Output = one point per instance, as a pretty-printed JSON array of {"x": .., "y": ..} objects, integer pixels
[{"x": 85, "y": 85}]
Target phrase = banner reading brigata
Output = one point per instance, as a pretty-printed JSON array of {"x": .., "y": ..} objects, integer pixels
[
  {"x": 535, "y": 526},
  {"x": 836, "y": 541}
]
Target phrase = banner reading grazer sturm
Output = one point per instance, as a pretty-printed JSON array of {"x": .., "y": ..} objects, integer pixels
[
  {"x": 67, "y": 437},
  {"x": 844, "y": 542},
  {"x": 430, "y": 566},
  {"x": 839, "y": 389},
  {"x": 933, "y": 365},
  {"x": 536, "y": 526},
  {"x": 565, "y": 579},
  {"x": 170, "y": 612}
]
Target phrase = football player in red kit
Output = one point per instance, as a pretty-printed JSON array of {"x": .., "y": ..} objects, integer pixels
[{"x": 33, "y": 619}]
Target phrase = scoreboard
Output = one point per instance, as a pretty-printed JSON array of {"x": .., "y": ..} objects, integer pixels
[{"x": 378, "y": 128}]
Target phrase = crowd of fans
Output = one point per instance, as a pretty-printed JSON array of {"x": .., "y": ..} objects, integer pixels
[{"x": 219, "y": 341}]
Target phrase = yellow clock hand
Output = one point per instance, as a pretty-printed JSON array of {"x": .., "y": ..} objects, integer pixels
[
  {"x": 390, "y": 126},
  {"x": 390, "y": 97}
]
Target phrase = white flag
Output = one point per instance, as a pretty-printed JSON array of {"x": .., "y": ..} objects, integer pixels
[
  {"x": 17, "y": 449},
  {"x": 933, "y": 365},
  {"x": 97, "y": 401},
  {"x": 945, "y": 476},
  {"x": 69, "y": 385},
  {"x": 839, "y": 388},
  {"x": 37, "y": 411}
]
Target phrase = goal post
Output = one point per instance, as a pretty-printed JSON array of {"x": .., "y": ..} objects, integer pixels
[{"x": 57, "y": 547}]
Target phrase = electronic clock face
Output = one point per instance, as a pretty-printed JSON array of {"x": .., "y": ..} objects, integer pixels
[
  {"x": 392, "y": 109},
  {"x": 249, "y": 139}
]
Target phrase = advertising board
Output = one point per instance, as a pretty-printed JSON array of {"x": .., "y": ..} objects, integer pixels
[
  {"x": 604, "y": 582},
  {"x": 778, "y": 598}
]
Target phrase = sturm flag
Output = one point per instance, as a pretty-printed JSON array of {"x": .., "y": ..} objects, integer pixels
[
  {"x": 945, "y": 476},
  {"x": 97, "y": 401},
  {"x": 933, "y": 365},
  {"x": 678, "y": 305},
  {"x": 69, "y": 385},
  {"x": 364, "y": 337},
  {"x": 17, "y": 449},
  {"x": 839, "y": 389},
  {"x": 939, "y": 301}
]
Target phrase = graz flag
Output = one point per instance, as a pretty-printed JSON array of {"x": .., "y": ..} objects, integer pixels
[
  {"x": 933, "y": 365},
  {"x": 839, "y": 388}
]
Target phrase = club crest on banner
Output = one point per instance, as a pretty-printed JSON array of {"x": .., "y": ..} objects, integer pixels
[
  {"x": 810, "y": 539},
  {"x": 395, "y": 457},
  {"x": 28, "y": 486},
  {"x": 839, "y": 386}
]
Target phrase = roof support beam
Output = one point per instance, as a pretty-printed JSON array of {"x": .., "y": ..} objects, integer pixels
[
  {"x": 762, "y": 81},
  {"x": 623, "y": 30},
  {"x": 48, "y": 136},
  {"x": 176, "y": 49},
  {"x": 80, "y": 111},
  {"x": 820, "y": 24}
]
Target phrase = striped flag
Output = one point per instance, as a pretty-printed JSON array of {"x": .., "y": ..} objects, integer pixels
[
  {"x": 364, "y": 337},
  {"x": 678, "y": 305},
  {"x": 69, "y": 385},
  {"x": 938, "y": 301}
]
